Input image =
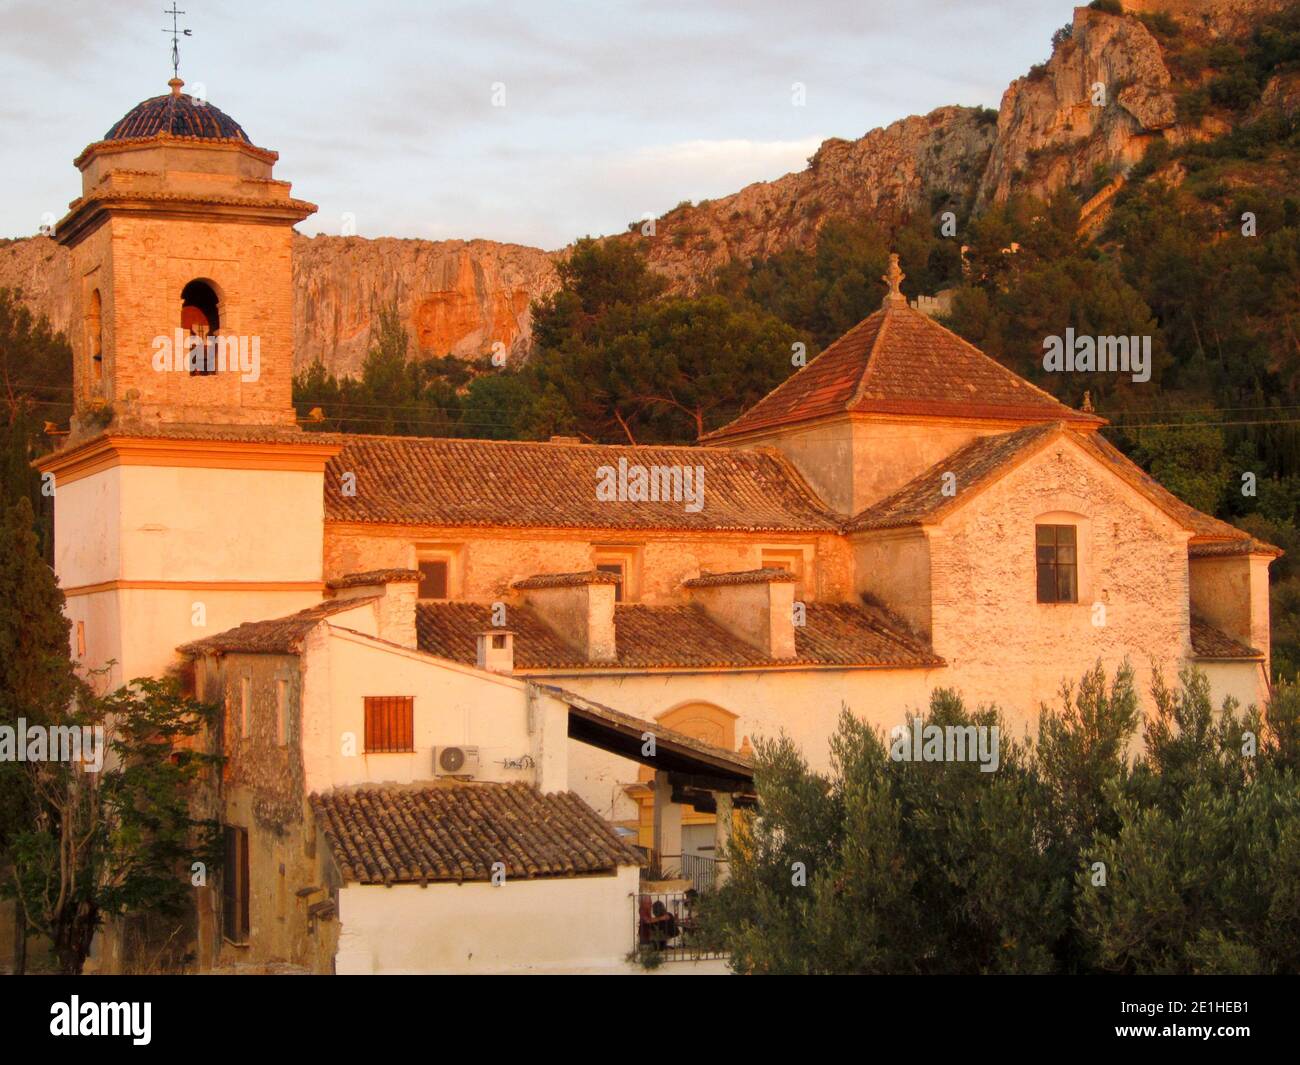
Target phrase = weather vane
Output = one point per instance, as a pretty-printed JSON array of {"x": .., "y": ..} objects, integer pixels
[{"x": 177, "y": 33}]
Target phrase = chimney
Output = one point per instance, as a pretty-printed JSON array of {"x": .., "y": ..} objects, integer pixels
[
  {"x": 395, "y": 610},
  {"x": 757, "y": 605},
  {"x": 496, "y": 650},
  {"x": 577, "y": 607}
]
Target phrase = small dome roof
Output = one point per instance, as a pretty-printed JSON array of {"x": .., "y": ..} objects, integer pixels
[{"x": 179, "y": 115}]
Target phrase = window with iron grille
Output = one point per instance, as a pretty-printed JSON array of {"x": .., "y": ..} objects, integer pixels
[
  {"x": 1056, "y": 553},
  {"x": 234, "y": 886},
  {"x": 390, "y": 723}
]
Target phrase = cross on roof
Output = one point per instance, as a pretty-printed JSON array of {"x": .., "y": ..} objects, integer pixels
[{"x": 177, "y": 33}]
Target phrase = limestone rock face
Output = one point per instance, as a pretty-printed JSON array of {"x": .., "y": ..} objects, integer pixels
[
  {"x": 456, "y": 297},
  {"x": 1216, "y": 18},
  {"x": 42, "y": 270},
  {"x": 464, "y": 297},
  {"x": 882, "y": 175},
  {"x": 1100, "y": 100}
]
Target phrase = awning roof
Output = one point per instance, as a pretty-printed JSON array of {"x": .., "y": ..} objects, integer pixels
[{"x": 690, "y": 763}]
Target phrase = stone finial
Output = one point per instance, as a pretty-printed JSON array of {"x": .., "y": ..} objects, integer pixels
[
  {"x": 1087, "y": 406},
  {"x": 893, "y": 277},
  {"x": 176, "y": 85}
]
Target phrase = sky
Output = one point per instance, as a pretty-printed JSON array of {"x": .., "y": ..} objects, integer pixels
[{"x": 534, "y": 123}]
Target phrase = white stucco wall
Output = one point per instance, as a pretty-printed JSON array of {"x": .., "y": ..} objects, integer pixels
[
  {"x": 168, "y": 539},
  {"x": 570, "y": 924},
  {"x": 805, "y": 705},
  {"x": 1001, "y": 644},
  {"x": 454, "y": 705},
  {"x": 187, "y": 523}
]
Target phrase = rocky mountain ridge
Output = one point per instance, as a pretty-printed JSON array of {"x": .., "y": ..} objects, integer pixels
[{"x": 1078, "y": 120}]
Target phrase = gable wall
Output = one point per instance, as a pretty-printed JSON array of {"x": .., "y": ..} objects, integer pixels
[
  {"x": 1000, "y": 643},
  {"x": 453, "y": 705}
]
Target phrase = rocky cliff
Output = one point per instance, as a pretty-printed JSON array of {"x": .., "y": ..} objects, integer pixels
[
  {"x": 1100, "y": 100},
  {"x": 1054, "y": 129},
  {"x": 457, "y": 297},
  {"x": 886, "y": 175}
]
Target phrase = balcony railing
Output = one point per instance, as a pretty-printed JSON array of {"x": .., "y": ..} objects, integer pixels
[
  {"x": 666, "y": 924},
  {"x": 699, "y": 869}
]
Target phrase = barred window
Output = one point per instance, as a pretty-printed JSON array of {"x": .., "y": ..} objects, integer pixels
[
  {"x": 1056, "y": 553},
  {"x": 390, "y": 723}
]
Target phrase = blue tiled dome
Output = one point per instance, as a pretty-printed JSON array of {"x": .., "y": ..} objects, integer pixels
[{"x": 178, "y": 114}]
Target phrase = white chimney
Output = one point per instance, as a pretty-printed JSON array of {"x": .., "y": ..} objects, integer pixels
[
  {"x": 395, "y": 611},
  {"x": 496, "y": 650},
  {"x": 757, "y": 605},
  {"x": 577, "y": 607}
]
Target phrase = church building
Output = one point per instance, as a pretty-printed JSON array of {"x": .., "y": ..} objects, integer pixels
[{"x": 475, "y": 691}]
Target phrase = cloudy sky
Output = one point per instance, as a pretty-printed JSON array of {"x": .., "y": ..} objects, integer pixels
[{"x": 385, "y": 109}]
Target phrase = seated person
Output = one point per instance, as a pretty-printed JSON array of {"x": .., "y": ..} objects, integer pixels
[{"x": 658, "y": 927}]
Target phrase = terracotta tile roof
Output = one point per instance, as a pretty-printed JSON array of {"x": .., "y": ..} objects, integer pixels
[
  {"x": 388, "y": 835},
  {"x": 1209, "y": 642},
  {"x": 983, "y": 461},
  {"x": 740, "y": 762},
  {"x": 850, "y": 634},
  {"x": 521, "y": 484},
  {"x": 1246, "y": 545},
  {"x": 1187, "y": 516},
  {"x": 679, "y": 637},
  {"x": 568, "y": 580},
  {"x": 375, "y": 576},
  {"x": 978, "y": 463},
  {"x": 900, "y": 361},
  {"x": 275, "y": 635},
  {"x": 748, "y": 576},
  {"x": 451, "y": 629}
]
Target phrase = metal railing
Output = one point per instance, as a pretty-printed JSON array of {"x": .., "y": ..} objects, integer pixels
[
  {"x": 700, "y": 870},
  {"x": 666, "y": 925}
]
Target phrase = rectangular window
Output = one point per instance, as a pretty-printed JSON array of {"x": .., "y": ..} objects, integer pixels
[
  {"x": 1056, "y": 554},
  {"x": 621, "y": 570},
  {"x": 390, "y": 723},
  {"x": 433, "y": 578},
  {"x": 245, "y": 706},
  {"x": 623, "y": 560},
  {"x": 234, "y": 886}
]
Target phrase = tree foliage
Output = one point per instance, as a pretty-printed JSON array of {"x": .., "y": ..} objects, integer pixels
[{"x": 937, "y": 867}]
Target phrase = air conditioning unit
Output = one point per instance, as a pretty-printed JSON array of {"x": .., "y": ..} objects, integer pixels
[{"x": 455, "y": 761}]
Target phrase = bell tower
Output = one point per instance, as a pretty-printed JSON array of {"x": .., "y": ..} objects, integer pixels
[
  {"x": 181, "y": 247},
  {"x": 186, "y": 498}
]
